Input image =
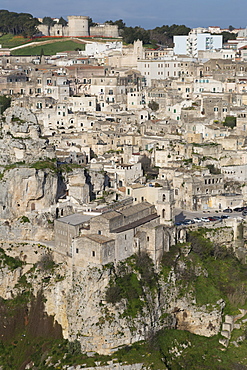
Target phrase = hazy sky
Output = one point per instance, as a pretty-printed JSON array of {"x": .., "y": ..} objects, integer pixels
[{"x": 144, "y": 13}]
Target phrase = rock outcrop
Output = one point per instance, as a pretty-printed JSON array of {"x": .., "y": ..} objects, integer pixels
[{"x": 26, "y": 189}]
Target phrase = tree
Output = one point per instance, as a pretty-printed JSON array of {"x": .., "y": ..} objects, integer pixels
[
  {"x": 153, "y": 105},
  {"x": 48, "y": 21},
  {"x": 228, "y": 36},
  {"x": 18, "y": 23},
  {"x": 120, "y": 23},
  {"x": 4, "y": 103},
  {"x": 62, "y": 21},
  {"x": 230, "y": 121},
  {"x": 91, "y": 23},
  {"x": 164, "y": 34},
  {"x": 131, "y": 34}
]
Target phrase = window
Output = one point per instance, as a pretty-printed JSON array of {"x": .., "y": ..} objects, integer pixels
[
  {"x": 99, "y": 232},
  {"x": 77, "y": 250},
  {"x": 93, "y": 253}
]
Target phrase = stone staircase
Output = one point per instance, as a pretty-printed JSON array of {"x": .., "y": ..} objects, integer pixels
[{"x": 228, "y": 325}]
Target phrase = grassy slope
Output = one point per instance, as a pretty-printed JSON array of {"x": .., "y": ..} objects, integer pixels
[
  {"x": 50, "y": 49},
  {"x": 49, "y": 45}
]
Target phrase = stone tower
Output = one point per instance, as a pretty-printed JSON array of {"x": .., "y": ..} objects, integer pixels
[
  {"x": 165, "y": 204},
  {"x": 78, "y": 25}
]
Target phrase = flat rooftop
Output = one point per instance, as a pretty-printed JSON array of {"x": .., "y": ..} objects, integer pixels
[{"x": 75, "y": 219}]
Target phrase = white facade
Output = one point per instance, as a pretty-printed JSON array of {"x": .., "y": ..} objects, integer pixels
[
  {"x": 158, "y": 69},
  {"x": 191, "y": 44},
  {"x": 208, "y": 85},
  {"x": 228, "y": 54},
  {"x": 98, "y": 48}
]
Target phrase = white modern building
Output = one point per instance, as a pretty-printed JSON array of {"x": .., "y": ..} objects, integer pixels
[
  {"x": 161, "y": 69},
  {"x": 195, "y": 41}
]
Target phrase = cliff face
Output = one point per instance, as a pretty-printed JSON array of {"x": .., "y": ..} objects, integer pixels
[
  {"x": 80, "y": 307},
  {"x": 76, "y": 299},
  {"x": 26, "y": 189}
]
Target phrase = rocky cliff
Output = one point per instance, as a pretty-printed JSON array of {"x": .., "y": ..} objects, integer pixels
[
  {"x": 105, "y": 308},
  {"x": 92, "y": 310},
  {"x": 25, "y": 189},
  {"x": 20, "y": 139}
]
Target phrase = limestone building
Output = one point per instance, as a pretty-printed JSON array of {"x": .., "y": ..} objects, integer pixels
[
  {"x": 78, "y": 27},
  {"x": 113, "y": 236}
]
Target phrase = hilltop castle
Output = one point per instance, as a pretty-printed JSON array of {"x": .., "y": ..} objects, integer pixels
[{"x": 78, "y": 27}]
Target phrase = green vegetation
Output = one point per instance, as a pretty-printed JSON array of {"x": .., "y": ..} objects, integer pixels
[
  {"x": 10, "y": 262},
  {"x": 24, "y": 219},
  {"x": 164, "y": 34},
  {"x": 153, "y": 105},
  {"x": 213, "y": 170},
  {"x": 18, "y": 23},
  {"x": 159, "y": 35},
  {"x": 48, "y": 164},
  {"x": 230, "y": 121},
  {"x": 225, "y": 277},
  {"x": 228, "y": 36},
  {"x": 10, "y": 41},
  {"x": 130, "y": 282},
  {"x": 51, "y": 48},
  {"x": 46, "y": 262},
  {"x": 4, "y": 103},
  {"x": 176, "y": 349}
]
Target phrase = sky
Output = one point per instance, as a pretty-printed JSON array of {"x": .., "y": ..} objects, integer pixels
[{"x": 145, "y": 13}]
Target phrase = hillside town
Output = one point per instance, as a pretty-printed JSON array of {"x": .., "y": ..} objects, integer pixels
[
  {"x": 164, "y": 126},
  {"x": 113, "y": 150}
]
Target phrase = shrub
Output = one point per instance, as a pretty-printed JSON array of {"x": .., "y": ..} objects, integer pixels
[
  {"x": 46, "y": 262},
  {"x": 230, "y": 121},
  {"x": 153, "y": 105},
  {"x": 24, "y": 219}
]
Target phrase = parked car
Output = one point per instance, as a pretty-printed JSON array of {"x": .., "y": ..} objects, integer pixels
[
  {"x": 205, "y": 219},
  {"x": 227, "y": 210},
  {"x": 197, "y": 219},
  {"x": 211, "y": 218},
  {"x": 224, "y": 217},
  {"x": 238, "y": 209},
  {"x": 217, "y": 218},
  {"x": 187, "y": 221},
  {"x": 214, "y": 218}
]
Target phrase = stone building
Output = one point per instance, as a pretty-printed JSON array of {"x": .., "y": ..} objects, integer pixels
[
  {"x": 68, "y": 227},
  {"x": 104, "y": 30},
  {"x": 116, "y": 235},
  {"x": 77, "y": 26},
  {"x": 159, "y": 194},
  {"x": 113, "y": 236}
]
